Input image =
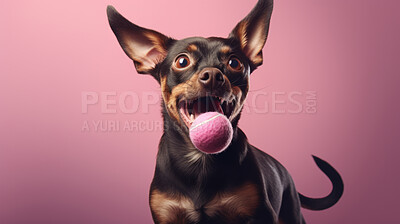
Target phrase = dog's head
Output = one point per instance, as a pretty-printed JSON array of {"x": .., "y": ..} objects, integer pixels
[{"x": 198, "y": 74}]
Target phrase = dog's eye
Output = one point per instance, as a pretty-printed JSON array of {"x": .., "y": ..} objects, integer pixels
[
  {"x": 182, "y": 61},
  {"x": 235, "y": 64}
]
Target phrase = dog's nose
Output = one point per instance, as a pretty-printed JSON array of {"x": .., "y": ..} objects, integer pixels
[{"x": 211, "y": 78}]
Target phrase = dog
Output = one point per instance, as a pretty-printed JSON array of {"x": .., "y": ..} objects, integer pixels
[{"x": 241, "y": 184}]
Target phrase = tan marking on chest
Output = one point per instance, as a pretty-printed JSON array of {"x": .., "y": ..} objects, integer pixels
[
  {"x": 233, "y": 205},
  {"x": 170, "y": 209}
]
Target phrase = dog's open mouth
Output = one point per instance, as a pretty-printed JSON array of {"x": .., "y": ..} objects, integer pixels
[{"x": 190, "y": 109}]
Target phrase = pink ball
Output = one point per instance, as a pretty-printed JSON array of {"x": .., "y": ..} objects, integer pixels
[{"x": 211, "y": 132}]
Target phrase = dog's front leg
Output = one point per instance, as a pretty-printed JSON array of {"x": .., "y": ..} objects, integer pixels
[{"x": 266, "y": 215}]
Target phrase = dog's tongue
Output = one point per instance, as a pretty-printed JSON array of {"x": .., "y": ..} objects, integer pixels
[{"x": 206, "y": 104}]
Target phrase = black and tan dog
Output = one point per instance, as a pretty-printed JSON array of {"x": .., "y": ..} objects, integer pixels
[{"x": 242, "y": 184}]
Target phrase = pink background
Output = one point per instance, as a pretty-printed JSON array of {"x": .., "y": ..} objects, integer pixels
[{"x": 51, "y": 51}]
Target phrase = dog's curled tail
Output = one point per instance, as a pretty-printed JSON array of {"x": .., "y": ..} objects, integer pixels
[{"x": 333, "y": 197}]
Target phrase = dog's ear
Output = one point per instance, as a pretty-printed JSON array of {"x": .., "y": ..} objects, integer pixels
[
  {"x": 145, "y": 47},
  {"x": 252, "y": 31}
]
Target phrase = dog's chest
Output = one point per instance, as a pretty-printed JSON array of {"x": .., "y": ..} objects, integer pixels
[{"x": 231, "y": 206}]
